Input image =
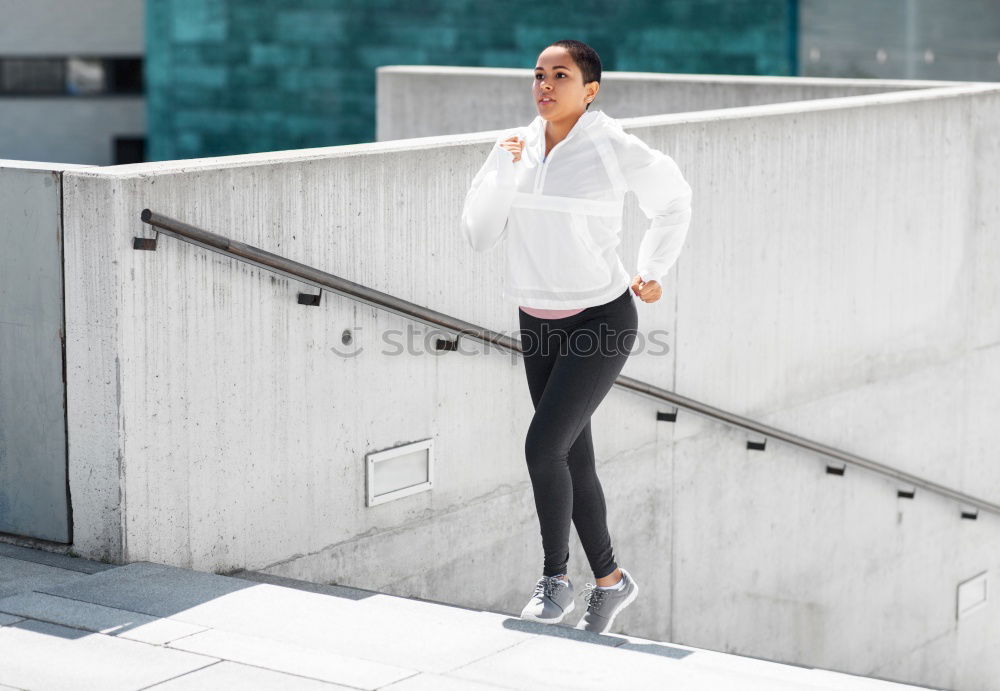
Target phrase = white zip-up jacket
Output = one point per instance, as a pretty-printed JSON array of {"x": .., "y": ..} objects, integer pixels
[{"x": 561, "y": 216}]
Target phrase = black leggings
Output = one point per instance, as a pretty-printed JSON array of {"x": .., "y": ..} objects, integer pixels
[{"x": 571, "y": 364}]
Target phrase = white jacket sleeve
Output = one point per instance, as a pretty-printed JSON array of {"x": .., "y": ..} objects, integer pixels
[
  {"x": 664, "y": 196},
  {"x": 487, "y": 203}
]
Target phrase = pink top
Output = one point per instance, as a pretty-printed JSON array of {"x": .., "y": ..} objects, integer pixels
[{"x": 550, "y": 314}]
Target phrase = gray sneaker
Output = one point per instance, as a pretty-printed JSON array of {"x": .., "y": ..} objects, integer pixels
[
  {"x": 604, "y": 605},
  {"x": 553, "y": 600}
]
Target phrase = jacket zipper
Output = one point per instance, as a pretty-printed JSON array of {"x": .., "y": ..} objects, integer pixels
[{"x": 540, "y": 174}]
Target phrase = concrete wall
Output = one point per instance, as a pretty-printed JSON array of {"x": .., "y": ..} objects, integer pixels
[
  {"x": 34, "y": 491},
  {"x": 85, "y": 27},
  {"x": 72, "y": 129},
  {"x": 420, "y": 101},
  {"x": 837, "y": 282}
]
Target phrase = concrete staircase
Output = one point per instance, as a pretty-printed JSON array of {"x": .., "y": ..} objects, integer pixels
[{"x": 69, "y": 623}]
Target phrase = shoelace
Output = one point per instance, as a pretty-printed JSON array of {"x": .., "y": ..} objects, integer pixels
[
  {"x": 547, "y": 585},
  {"x": 593, "y": 595}
]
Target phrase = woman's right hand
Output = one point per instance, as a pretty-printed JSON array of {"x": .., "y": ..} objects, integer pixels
[{"x": 513, "y": 145}]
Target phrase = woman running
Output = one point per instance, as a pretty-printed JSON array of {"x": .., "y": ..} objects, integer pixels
[{"x": 554, "y": 192}]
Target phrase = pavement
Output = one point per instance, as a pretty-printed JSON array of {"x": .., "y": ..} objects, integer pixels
[{"x": 71, "y": 623}]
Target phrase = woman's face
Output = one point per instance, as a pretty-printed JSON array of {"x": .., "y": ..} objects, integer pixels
[{"x": 559, "y": 90}]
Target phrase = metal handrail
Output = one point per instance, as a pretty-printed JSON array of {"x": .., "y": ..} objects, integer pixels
[{"x": 322, "y": 279}]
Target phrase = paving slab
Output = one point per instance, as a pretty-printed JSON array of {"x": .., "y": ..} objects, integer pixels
[
  {"x": 98, "y": 618},
  {"x": 427, "y": 681},
  {"x": 564, "y": 665},
  {"x": 308, "y": 661},
  {"x": 20, "y": 576},
  {"x": 49, "y": 656},
  {"x": 416, "y": 636},
  {"x": 153, "y": 589},
  {"x": 345, "y": 591},
  {"x": 739, "y": 666},
  {"x": 232, "y": 676},
  {"x": 7, "y": 619},
  {"x": 60, "y": 561}
]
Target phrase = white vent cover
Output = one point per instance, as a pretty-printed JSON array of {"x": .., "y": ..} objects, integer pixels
[
  {"x": 972, "y": 595},
  {"x": 399, "y": 471}
]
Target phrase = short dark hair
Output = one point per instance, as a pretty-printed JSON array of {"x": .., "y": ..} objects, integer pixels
[{"x": 585, "y": 57}]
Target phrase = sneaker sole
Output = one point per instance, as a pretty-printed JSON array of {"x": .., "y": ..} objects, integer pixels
[
  {"x": 531, "y": 617},
  {"x": 625, "y": 603}
]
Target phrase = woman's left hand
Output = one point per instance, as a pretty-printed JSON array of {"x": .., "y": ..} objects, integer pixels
[{"x": 648, "y": 291}]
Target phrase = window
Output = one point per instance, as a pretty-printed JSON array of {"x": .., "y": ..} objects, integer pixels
[
  {"x": 129, "y": 150},
  {"x": 84, "y": 76},
  {"x": 32, "y": 75},
  {"x": 125, "y": 75},
  {"x": 70, "y": 76}
]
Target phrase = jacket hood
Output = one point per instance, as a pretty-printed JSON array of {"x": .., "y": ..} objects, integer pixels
[{"x": 591, "y": 121}]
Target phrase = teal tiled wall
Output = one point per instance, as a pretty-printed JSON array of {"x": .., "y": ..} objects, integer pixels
[{"x": 242, "y": 76}]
